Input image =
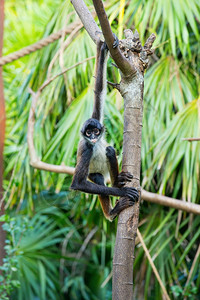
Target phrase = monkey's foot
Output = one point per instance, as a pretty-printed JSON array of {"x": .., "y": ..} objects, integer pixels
[{"x": 122, "y": 204}]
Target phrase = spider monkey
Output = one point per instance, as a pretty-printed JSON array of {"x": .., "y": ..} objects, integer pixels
[{"x": 96, "y": 160}]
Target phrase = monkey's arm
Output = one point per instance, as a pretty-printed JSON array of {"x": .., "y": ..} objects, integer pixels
[
  {"x": 117, "y": 179},
  {"x": 81, "y": 183}
]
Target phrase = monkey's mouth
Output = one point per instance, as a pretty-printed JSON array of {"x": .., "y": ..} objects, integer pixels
[{"x": 93, "y": 141}]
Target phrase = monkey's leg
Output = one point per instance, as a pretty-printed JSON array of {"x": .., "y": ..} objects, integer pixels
[
  {"x": 109, "y": 212},
  {"x": 117, "y": 179},
  {"x": 104, "y": 200}
]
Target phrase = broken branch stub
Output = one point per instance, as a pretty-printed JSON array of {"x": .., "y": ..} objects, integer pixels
[{"x": 132, "y": 49}]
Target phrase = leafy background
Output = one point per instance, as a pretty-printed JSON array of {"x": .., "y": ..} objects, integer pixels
[{"x": 59, "y": 245}]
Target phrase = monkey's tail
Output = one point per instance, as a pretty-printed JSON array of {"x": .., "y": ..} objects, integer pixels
[{"x": 100, "y": 81}]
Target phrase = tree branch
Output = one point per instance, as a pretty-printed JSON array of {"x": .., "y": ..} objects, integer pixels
[
  {"x": 87, "y": 19},
  {"x": 153, "y": 265},
  {"x": 171, "y": 202},
  {"x": 191, "y": 139},
  {"x": 123, "y": 64},
  {"x": 93, "y": 30},
  {"x": 192, "y": 269}
]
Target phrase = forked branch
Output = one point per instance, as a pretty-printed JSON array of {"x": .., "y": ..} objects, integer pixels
[{"x": 123, "y": 64}]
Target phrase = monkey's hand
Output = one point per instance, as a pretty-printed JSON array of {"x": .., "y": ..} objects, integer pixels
[
  {"x": 130, "y": 192},
  {"x": 123, "y": 178}
]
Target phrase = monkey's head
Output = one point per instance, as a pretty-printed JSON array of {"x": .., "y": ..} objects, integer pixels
[{"x": 92, "y": 130}]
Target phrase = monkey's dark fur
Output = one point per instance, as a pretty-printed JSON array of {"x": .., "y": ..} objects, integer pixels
[{"x": 96, "y": 160}]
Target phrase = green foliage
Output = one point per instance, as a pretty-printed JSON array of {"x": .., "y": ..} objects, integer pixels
[
  {"x": 172, "y": 153},
  {"x": 48, "y": 256},
  {"x": 10, "y": 264},
  {"x": 172, "y": 249},
  {"x": 179, "y": 293},
  {"x": 31, "y": 247}
]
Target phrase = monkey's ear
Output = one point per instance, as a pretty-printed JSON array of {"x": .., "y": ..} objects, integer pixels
[{"x": 82, "y": 131}]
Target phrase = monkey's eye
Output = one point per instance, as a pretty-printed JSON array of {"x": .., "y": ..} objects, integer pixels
[
  {"x": 96, "y": 131},
  {"x": 88, "y": 132}
]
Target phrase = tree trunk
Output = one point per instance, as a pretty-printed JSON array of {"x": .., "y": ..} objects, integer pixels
[
  {"x": 132, "y": 93},
  {"x": 131, "y": 89},
  {"x": 2, "y": 133}
]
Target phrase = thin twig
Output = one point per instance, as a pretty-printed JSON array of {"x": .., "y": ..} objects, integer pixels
[
  {"x": 66, "y": 44},
  {"x": 191, "y": 139},
  {"x": 83, "y": 247},
  {"x": 114, "y": 85},
  {"x": 153, "y": 265},
  {"x": 192, "y": 268},
  {"x": 106, "y": 280},
  {"x": 48, "y": 81},
  {"x": 64, "y": 252}
]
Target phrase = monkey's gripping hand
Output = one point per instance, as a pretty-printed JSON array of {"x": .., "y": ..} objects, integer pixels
[
  {"x": 130, "y": 192},
  {"x": 123, "y": 178}
]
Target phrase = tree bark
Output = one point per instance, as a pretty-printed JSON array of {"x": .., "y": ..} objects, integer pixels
[
  {"x": 2, "y": 133},
  {"x": 131, "y": 89},
  {"x": 132, "y": 93},
  {"x": 87, "y": 19}
]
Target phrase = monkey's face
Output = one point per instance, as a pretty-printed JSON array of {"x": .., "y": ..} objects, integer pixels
[
  {"x": 92, "y": 135},
  {"x": 92, "y": 131}
]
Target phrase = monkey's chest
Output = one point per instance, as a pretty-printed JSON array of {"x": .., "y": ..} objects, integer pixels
[{"x": 98, "y": 163}]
